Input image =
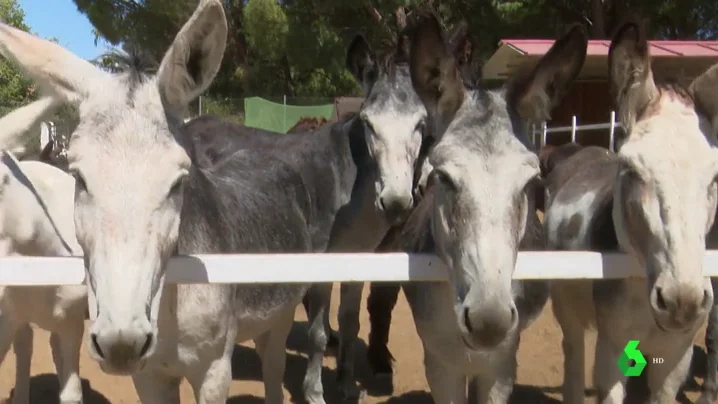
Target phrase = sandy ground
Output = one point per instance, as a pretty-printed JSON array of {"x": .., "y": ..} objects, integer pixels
[{"x": 539, "y": 376}]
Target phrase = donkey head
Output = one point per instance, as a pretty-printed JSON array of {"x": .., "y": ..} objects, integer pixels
[
  {"x": 484, "y": 173},
  {"x": 129, "y": 171},
  {"x": 665, "y": 197},
  {"x": 394, "y": 119}
]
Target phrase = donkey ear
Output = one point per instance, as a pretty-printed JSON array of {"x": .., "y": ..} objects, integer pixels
[
  {"x": 460, "y": 45},
  {"x": 361, "y": 62},
  {"x": 434, "y": 73},
  {"x": 705, "y": 93},
  {"x": 629, "y": 70},
  {"x": 18, "y": 122},
  {"x": 535, "y": 94},
  {"x": 194, "y": 58},
  {"x": 52, "y": 67},
  {"x": 403, "y": 47}
]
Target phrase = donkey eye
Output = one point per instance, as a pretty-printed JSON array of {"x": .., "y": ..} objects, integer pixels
[
  {"x": 420, "y": 126},
  {"x": 368, "y": 126},
  {"x": 176, "y": 188},
  {"x": 80, "y": 184},
  {"x": 629, "y": 172},
  {"x": 439, "y": 176},
  {"x": 533, "y": 183}
]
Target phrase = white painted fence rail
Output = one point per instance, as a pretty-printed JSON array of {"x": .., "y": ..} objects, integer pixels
[
  {"x": 332, "y": 267},
  {"x": 543, "y": 130}
]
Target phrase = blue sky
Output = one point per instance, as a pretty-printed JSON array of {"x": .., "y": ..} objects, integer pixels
[{"x": 60, "y": 19}]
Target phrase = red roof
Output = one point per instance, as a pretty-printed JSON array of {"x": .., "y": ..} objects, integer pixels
[{"x": 538, "y": 47}]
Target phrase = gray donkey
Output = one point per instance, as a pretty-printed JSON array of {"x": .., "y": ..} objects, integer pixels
[
  {"x": 391, "y": 120},
  {"x": 477, "y": 213},
  {"x": 654, "y": 199},
  {"x": 141, "y": 197}
]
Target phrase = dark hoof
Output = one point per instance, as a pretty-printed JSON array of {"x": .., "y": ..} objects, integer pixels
[
  {"x": 352, "y": 394},
  {"x": 380, "y": 361},
  {"x": 333, "y": 341}
]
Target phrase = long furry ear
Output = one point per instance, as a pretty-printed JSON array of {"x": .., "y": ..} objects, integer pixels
[
  {"x": 195, "y": 56},
  {"x": 629, "y": 70},
  {"x": 535, "y": 94},
  {"x": 460, "y": 44},
  {"x": 52, "y": 67},
  {"x": 434, "y": 73},
  {"x": 15, "y": 125},
  {"x": 705, "y": 92},
  {"x": 361, "y": 63}
]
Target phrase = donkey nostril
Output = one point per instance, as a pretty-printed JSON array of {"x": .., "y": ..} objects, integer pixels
[
  {"x": 146, "y": 346},
  {"x": 706, "y": 299},
  {"x": 96, "y": 345},
  {"x": 514, "y": 314},
  {"x": 660, "y": 302},
  {"x": 382, "y": 203},
  {"x": 467, "y": 323}
]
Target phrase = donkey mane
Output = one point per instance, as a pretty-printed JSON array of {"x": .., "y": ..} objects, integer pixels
[
  {"x": 493, "y": 108},
  {"x": 671, "y": 87}
]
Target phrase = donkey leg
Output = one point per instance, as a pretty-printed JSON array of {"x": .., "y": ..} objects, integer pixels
[
  {"x": 382, "y": 300},
  {"x": 55, "y": 350},
  {"x": 319, "y": 298},
  {"x": 574, "y": 378},
  {"x": 709, "y": 392},
  {"x": 496, "y": 387},
  {"x": 272, "y": 349},
  {"x": 154, "y": 387},
  {"x": 349, "y": 307},
  {"x": 607, "y": 377},
  {"x": 211, "y": 383},
  {"x": 665, "y": 380},
  {"x": 22, "y": 345},
  {"x": 447, "y": 386},
  {"x": 8, "y": 329},
  {"x": 494, "y": 390},
  {"x": 66, "y": 347},
  {"x": 307, "y": 302}
]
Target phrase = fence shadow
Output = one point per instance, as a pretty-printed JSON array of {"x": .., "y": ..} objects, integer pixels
[
  {"x": 522, "y": 394},
  {"x": 45, "y": 389},
  {"x": 247, "y": 366}
]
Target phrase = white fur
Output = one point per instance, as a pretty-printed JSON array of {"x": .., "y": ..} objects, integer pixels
[
  {"x": 395, "y": 148},
  {"x": 27, "y": 228},
  {"x": 22, "y": 121},
  {"x": 676, "y": 157},
  {"x": 127, "y": 158}
]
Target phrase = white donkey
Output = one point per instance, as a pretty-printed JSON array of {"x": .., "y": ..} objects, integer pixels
[
  {"x": 655, "y": 199},
  {"x": 36, "y": 219}
]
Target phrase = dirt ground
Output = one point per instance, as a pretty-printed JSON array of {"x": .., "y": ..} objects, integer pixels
[{"x": 539, "y": 376}]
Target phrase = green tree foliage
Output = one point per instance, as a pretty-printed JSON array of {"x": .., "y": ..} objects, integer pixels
[
  {"x": 297, "y": 47},
  {"x": 15, "y": 90}
]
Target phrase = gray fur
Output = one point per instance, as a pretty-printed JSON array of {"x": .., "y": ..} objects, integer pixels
[
  {"x": 478, "y": 211},
  {"x": 637, "y": 201}
]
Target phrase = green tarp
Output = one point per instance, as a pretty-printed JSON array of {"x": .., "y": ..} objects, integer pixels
[{"x": 263, "y": 114}]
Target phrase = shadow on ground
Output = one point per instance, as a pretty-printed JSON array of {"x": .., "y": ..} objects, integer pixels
[
  {"x": 246, "y": 366},
  {"x": 45, "y": 389}
]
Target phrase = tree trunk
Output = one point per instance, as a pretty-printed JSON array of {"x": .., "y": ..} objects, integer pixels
[
  {"x": 288, "y": 81},
  {"x": 598, "y": 29}
]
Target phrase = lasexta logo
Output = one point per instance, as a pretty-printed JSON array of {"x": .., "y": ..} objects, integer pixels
[{"x": 631, "y": 362}]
